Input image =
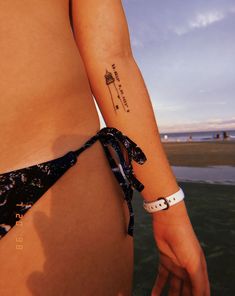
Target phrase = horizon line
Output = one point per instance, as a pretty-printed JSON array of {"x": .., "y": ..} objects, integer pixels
[{"x": 195, "y": 131}]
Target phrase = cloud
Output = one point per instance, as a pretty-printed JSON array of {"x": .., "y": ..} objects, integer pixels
[
  {"x": 232, "y": 9},
  {"x": 164, "y": 107},
  {"x": 209, "y": 125},
  {"x": 136, "y": 42},
  {"x": 219, "y": 121},
  {"x": 204, "y": 20},
  {"x": 200, "y": 20}
]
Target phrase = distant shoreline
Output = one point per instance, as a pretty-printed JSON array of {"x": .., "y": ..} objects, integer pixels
[
  {"x": 197, "y": 141},
  {"x": 200, "y": 136}
]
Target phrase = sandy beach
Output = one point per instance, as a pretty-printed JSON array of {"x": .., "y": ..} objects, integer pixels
[
  {"x": 201, "y": 154},
  {"x": 212, "y": 211}
]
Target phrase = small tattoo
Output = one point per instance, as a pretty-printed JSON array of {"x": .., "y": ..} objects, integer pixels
[{"x": 116, "y": 92}]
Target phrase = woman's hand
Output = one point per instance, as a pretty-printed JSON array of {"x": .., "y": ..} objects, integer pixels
[{"x": 181, "y": 258}]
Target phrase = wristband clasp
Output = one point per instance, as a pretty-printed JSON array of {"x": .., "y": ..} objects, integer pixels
[{"x": 165, "y": 202}]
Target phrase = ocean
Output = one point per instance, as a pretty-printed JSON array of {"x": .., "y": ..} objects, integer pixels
[{"x": 198, "y": 136}]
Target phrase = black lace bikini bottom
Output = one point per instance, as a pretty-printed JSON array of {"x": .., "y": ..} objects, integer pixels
[{"x": 20, "y": 189}]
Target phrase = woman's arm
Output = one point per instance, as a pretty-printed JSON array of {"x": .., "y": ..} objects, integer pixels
[
  {"x": 102, "y": 37},
  {"x": 101, "y": 34}
]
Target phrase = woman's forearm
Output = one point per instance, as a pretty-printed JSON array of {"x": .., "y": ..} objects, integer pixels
[
  {"x": 102, "y": 37},
  {"x": 123, "y": 99}
]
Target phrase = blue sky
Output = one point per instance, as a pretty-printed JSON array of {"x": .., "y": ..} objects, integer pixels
[{"x": 186, "y": 52}]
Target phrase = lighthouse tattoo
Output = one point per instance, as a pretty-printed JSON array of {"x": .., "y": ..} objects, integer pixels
[{"x": 116, "y": 92}]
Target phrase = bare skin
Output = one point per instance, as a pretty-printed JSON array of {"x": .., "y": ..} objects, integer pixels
[
  {"x": 44, "y": 89},
  {"x": 46, "y": 110}
]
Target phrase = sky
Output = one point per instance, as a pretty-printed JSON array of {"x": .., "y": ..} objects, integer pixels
[{"x": 185, "y": 50}]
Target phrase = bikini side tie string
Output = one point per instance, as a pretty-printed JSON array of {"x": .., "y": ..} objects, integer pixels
[{"x": 123, "y": 171}]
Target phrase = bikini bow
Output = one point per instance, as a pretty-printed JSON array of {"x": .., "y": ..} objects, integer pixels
[{"x": 123, "y": 171}]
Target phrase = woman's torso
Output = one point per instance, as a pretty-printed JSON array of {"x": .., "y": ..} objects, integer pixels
[
  {"x": 46, "y": 109},
  {"x": 45, "y": 93}
]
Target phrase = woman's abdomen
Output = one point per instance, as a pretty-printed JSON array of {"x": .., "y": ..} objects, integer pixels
[{"x": 44, "y": 89}]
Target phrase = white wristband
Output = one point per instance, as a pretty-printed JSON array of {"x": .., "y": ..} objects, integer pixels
[{"x": 163, "y": 203}]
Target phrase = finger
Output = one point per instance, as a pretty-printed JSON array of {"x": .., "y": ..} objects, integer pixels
[
  {"x": 160, "y": 281},
  {"x": 186, "y": 289},
  {"x": 208, "y": 290},
  {"x": 198, "y": 286},
  {"x": 207, "y": 285},
  {"x": 198, "y": 282},
  {"x": 175, "y": 286}
]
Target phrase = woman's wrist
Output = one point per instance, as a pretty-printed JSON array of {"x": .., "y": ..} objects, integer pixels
[
  {"x": 164, "y": 202},
  {"x": 173, "y": 214},
  {"x": 169, "y": 206}
]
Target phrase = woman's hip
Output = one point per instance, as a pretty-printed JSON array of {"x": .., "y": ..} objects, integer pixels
[{"x": 74, "y": 238}]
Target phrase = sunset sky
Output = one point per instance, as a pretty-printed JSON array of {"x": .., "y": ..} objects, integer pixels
[{"x": 186, "y": 52}]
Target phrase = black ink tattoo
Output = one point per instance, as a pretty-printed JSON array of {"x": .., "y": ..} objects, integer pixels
[
  {"x": 116, "y": 92},
  {"x": 109, "y": 79}
]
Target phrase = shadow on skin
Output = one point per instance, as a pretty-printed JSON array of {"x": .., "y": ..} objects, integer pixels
[{"x": 82, "y": 256}]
